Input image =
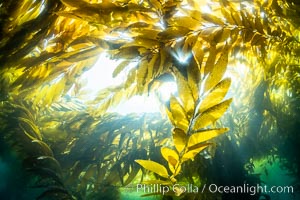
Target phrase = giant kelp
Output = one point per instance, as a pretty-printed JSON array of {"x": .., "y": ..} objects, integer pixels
[{"x": 46, "y": 46}]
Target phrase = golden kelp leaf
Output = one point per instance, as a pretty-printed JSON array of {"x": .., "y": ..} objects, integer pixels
[
  {"x": 30, "y": 127},
  {"x": 76, "y": 4},
  {"x": 142, "y": 42},
  {"x": 245, "y": 19},
  {"x": 227, "y": 15},
  {"x": 179, "y": 114},
  {"x": 194, "y": 4},
  {"x": 217, "y": 34},
  {"x": 27, "y": 134},
  {"x": 156, "y": 4},
  {"x": 131, "y": 77},
  {"x": 142, "y": 74},
  {"x": 210, "y": 33},
  {"x": 212, "y": 19},
  {"x": 142, "y": 17},
  {"x": 136, "y": 25},
  {"x": 46, "y": 149},
  {"x": 216, "y": 95},
  {"x": 90, "y": 172},
  {"x": 193, "y": 151},
  {"x": 210, "y": 62},
  {"x": 81, "y": 43},
  {"x": 152, "y": 66},
  {"x": 223, "y": 36},
  {"x": 175, "y": 169},
  {"x": 120, "y": 67},
  {"x": 236, "y": 17},
  {"x": 198, "y": 52},
  {"x": 185, "y": 93},
  {"x": 257, "y": 39},
  {"x": 172, "y": 162},
  {"x": 189, "y": 42},
  {"x": 211, "y": 115},
  {"x": 85, "y": 14},
  {"x": 83, "y": 55},
  {"x": 247, "y": 35},
  {"x": 173, "y": 32},
  {"x": 218, "y": 70},
  {"x": 193, "y": 75},
  {"x": 251, "y": 20},
  {"x": 55, "y": 91},
  {"x": 127, "y": 53},
  {"x": 169, "y": 155},
  {"x": 203, "y": 136},
  {"x": 115, "y": 95},
  {"x": 102, "y": 94},
  {"x": 234, "y": 35},
  {"x": 26, "y": 113},
  {"x": 259, "y": 26},
  {"x": 154, "y": 167},
  {"x": 146, "y": 33},
  {"x": 196, "y": 146},
  {"x": 116, "y": 140},
  {"x": 51, "y": 163},
  {"x": 169, "y": 114},
  {"x": 30, "y": 11},
  {"x": 41, "y": 71},
  {"x": 195, "y": 14},
  {"x": 163, "y": 57},
  {"x": 179, "y": 139},
  {"x": 184, "y": 21},
  {"x": 164, "y": 141},
  {"x": 172, "y": 157}
]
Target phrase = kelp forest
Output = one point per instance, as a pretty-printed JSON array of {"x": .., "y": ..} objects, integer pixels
[{"x": 218, "y": 83}]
